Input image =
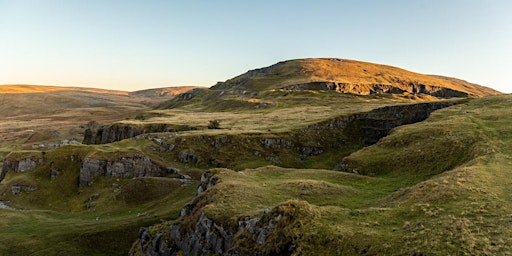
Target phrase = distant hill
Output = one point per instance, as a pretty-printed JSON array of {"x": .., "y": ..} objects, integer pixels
[
  {"x": 162, "y": 92},
  {"x": 22, "y": 88},
  {"x": 59, "y": 109},
  {"x": 349, "y": 76}
]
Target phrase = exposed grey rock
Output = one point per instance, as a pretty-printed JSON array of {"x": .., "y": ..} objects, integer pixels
[
  {"x": 273, "y": 159},
  {"x": 54, "y": 174},
  {"x": 4, "y": 205},
  {"x": 205, "y": 237},
  {"x": 172, "y": 170},
  {"x": 185, "y": 177},
  {"x": 189, "y": 157},
  {"x": 412, "y": 88},
  {"x": 50, "y": 145},
  {"x": 23, "y": 165},
  {"x": 17, "y": 189},
  {"x": 277, "y": 143},
  {"x": 124, "y": 167},
  {"x": 311, "y": 151},
  {"x": 120, "y": 131},
  {"x": 207, "y": 181}
]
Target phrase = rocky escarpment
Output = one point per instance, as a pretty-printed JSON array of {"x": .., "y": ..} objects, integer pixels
[
  {"x": 197, "y": 234},
  {"x": 120, "y": 131},
  {"x": 123, "y": 167},
  {"x": 367, "y": 89},
  {"x": 367, "y": 128},
  {"x": 19, "y": 165},
  {"x": 289, "y": 149}
]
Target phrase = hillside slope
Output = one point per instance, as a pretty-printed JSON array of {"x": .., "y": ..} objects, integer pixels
[
  {"x": 43, "y": 114},
  {"x": 433, "y": 188},
  {"x": 350, "y": 76}
]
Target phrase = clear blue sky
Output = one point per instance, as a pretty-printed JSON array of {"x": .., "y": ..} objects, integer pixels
[{"x": 131, "y": 45}]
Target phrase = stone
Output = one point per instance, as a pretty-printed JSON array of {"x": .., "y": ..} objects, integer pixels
[
  {"x": 18, "y": 189},
  {"x": 54, "y": 174},
  {"x": 124, "y": 167},
  {"x": 185, "y": 177}
]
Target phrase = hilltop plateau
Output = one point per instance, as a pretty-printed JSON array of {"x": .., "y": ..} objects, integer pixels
[{"x": 305, "y": 157}]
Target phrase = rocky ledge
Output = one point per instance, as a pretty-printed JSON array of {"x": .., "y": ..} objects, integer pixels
[
  {"x": 120, "y": 131},
  {"x": 367, "y": 89},
  {"x": 123, "y": 167},
  {"x": 21, "y": 165},
  {"x": 196, "y": 234}
]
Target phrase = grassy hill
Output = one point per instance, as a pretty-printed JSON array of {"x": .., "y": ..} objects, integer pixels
[
  {"x": 34, "y": 115},
  {"x": 296, "y": 156},
  {"x": 357, "y": 75}
]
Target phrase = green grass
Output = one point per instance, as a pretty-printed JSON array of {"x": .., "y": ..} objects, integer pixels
[{"x": 438, "y": 187}]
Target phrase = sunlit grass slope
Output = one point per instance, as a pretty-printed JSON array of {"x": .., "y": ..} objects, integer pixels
[{"x": 353, "y": 72}]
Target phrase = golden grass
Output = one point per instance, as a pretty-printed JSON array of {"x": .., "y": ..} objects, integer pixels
[
  {"x": 17, "y": 89},
  {"x": 352, "y": 72}
]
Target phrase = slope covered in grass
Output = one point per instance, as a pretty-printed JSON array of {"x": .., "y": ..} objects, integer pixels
[
  {"x": 350, "y": 72},
  {"x": 438, "y": 187}
]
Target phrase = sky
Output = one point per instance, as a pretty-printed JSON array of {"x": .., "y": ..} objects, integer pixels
[{"x": 133, "y": 45}]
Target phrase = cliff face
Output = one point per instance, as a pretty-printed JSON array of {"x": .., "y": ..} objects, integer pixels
[
  {"x": 205, "y": 236},
  {"x": 124, "y": 167},
  {"x": 22, "y": 165},
  {"x": 367, "y": 89},
  {"x": 120, "y": 131},
  {"x": 290, "y": 148},
  {"x": 368, "y": 128},
  {"x": 137, "y": 165}
]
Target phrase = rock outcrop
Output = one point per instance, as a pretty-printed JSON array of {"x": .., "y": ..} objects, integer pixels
[
  {"x": 287, "y": 149},
  {"x": 121, "y": 131},
  {"x": 368, "y": 128},
  {"x": 367, "y": 89},
  {"x": 18, "y": 189},
  {"x": 251, "y": 236},
  {"x": 22, "y": 165},
  {"x": 123, "y": 167}
]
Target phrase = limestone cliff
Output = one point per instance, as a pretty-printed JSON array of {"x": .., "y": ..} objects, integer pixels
[
  {"x": 196, "y": 234},
  {"x": 120, "y": 131},
  {"x": 123, "y": 167},
  {"x": 290, "y": 148},
  {"x": 23, "y": 164}
]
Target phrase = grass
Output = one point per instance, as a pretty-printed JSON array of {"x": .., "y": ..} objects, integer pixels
[
  {"x": 289, "y": 112},
  {"x": 439, "y": 187},
  {"x": 97, "y": 220},
  {"x": 346, "y": 71}
]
